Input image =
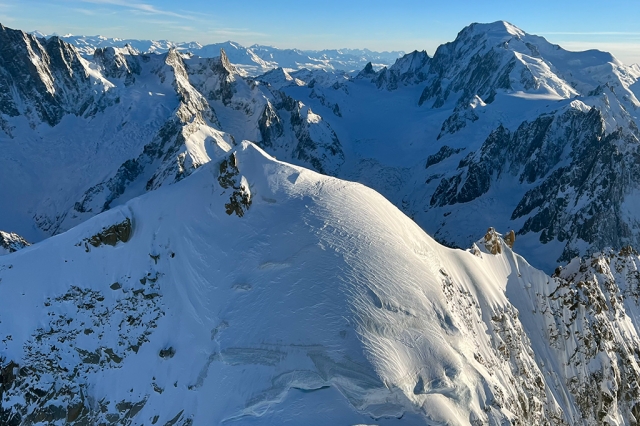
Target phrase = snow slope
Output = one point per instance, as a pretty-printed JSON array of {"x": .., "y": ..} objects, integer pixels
[{"x": 256, "y": 292}]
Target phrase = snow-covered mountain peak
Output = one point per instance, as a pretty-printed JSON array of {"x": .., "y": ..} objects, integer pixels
[
  {"x": 488, "y": 59},
  {"x": 414, "y": 62},
  {"x": 278, "y": 78},
  {"x": 499, "y": 30},
  {"x": 118, "y": 62}
]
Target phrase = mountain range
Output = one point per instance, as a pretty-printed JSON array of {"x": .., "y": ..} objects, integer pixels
[
  {"x": 214, "y": 247},
  {"x": 253, "y": 60}
]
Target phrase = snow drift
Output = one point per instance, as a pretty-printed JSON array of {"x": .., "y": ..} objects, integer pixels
[{"x": 256, "y": 292}]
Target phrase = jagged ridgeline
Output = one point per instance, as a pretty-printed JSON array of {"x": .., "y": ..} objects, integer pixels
[
  {"x": 121, "y": 123},
  {"x": 514, "y": 132}
]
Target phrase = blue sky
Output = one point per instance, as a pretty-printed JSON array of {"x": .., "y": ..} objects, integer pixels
[{"x": 378, "y": 25}]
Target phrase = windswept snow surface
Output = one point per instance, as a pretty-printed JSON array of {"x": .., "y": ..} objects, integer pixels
[{"x": 321, "y": 303}]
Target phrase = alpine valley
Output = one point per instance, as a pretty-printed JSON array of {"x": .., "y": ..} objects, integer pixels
[{"x": 190, "y": 239}]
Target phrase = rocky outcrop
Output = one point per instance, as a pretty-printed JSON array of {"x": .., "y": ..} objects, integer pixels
[
  {"x": 589, "y": 309},
  {"x": 602, "y": 174},
  {"x": 271, "y": 126},
  {"x": 112, "y": 235},
  {"x": 230, "y": 178},
  {"x": 46, "y": 389},
  {"x": 220, "y": 78},
  {"x": 493, "y": 241},
  {"x": 10, "y": 242},
  {"x": 290, "y": 126},
  {"x": 443, "y": 153}
]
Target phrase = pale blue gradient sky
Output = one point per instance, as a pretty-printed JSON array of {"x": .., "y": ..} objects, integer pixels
[{"x": 613, "y": 26}]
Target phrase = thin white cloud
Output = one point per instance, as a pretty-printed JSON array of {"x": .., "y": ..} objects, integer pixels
[
  {"x": 183, "y": 28},
  {"x": 141, "y": 7},
  {"x": 236, "y": 32},
  {"x": 158, "y": 22},
  {"x": 84, "y": 11},
  {"x": 593, "y": 33},
  {"x": 627, "y": 52}
]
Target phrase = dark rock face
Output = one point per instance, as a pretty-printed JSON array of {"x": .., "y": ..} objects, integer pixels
[
  {"x": 321, "y": 149},
  {"x": 43, "y": 79},
  {"x": 442, "y": 154},
  {"x": 580, "y": 177},
  {"x": 229, "y": 178},
  {"x": 334, "y": 107},
  {"x": 368, "y": 72},
  {"x": 167, "y": 353},
  {"x": 120, "y": 232},
  {"x": 458, "y": 120},
  {"x": 221, "y": 85},
  {"x": 603, "y": 171},
  {"x": 528, "y": 154},
  {"x": 270, "y": 126},
  {"x": 118, "y": 63},
  {"x": 318, "y": 153}
]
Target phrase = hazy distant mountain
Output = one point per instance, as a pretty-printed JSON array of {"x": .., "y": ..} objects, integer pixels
[{"x": 254, "y": 60}]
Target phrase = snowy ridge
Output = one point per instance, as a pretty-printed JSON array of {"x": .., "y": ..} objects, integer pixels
[{"x": 403, "y": 327}]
